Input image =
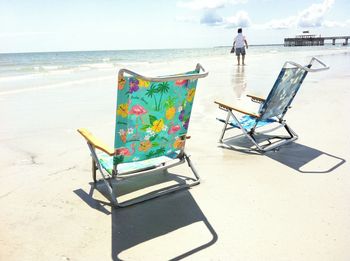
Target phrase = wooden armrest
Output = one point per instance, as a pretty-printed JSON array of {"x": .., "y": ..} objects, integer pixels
[
  {"x": 228, "y": 107},
  {"x": 96, "y": 142},
  {"x": 256, "y": 98}
]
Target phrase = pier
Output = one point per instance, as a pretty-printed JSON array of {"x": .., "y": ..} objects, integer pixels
[{"x": 313, "y": 40}]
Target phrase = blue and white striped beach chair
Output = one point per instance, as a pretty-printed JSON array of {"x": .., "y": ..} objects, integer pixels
[{"x": 272, "y": 109}]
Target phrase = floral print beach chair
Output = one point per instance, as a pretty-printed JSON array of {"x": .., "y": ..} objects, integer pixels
[
  {"x": 272, "y": 109},
  {"x": 152, "y": 119}
]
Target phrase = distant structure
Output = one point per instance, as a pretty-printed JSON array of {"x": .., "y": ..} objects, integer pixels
[{"x": 307, "y": 39}]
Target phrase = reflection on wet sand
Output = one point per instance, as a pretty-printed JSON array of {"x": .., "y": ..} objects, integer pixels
[{"x": 239, "y": 81}]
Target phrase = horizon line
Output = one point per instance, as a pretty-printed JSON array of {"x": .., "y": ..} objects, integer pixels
[{"x": 148, "y": 49}]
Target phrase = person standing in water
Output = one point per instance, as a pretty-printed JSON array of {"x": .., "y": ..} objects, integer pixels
[{"x": 240, "y": 43}]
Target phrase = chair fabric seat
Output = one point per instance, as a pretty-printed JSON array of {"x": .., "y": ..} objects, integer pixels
[
  {"x": 248, "y": 122},
  {"x": 106, "y": 162}
]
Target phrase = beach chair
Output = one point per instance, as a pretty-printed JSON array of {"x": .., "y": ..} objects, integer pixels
[
  {"x": 271, "y": 111},
  {"x": 152, "y": 119}
]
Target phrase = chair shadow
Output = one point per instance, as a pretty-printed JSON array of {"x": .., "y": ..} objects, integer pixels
[
  {"x": 305, "y": 159},
  {"x": 145, "y": 221},
  {"x": 143, "y": 186},
  {"x": 93, "y": 203},
  {"x": 299, "y": 157},
  {"x": 241, "y": 143},
  {"x": 151, "y": 219}
]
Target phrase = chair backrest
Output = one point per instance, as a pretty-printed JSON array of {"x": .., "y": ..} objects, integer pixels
[
  {"x": 283, "y": 92},
  {"x": 153, "y": 114}
]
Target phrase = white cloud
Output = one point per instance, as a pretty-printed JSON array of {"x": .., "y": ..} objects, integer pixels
[
  {"x": 23, "y": 34},
  {"x": 313, "y": 16},
  {"x": 210, "y": 17},
  {"x": 332, "y": 24},
  {"x": 187, "y": 19},
  {"x": 286, "y": 23},
  {"x": 240, "y": 19},
  {"x": 207, "y": 4}
]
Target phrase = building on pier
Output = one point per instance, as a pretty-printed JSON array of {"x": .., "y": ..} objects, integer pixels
[{"x": 307, "y": 39}]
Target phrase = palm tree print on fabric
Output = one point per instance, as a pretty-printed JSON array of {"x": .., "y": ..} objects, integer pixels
[{"x": 152, "y": 118}]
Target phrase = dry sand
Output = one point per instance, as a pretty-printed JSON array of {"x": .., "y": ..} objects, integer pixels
[{"x": 292, "y": 204}]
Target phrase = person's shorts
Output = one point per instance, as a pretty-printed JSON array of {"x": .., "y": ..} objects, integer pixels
[{"x": 240, "y": 51}]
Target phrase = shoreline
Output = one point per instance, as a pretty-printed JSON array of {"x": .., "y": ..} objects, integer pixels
[
  {"x": 47, "y": 64},
  {"x": 43, "y": 80}
]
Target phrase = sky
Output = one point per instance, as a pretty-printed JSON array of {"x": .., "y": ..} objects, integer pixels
[{"x": 74, "y": 25}]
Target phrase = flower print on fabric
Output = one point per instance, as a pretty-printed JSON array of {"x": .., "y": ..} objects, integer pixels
[
  {"x": 158, "y": 125},
  {"x": 125, "y": 151},
  {"x": 174, "y": 129},
  {"x": 185, "y": 125},
  {"x": 143, "y": 84},
  {"x": 181, "y": 82},
  {"x": 134, "y": 85},
  {"x": 190, "y": 95},
  {"x": 123, "y": 134},
  {"x": 121, "y": 83},
  {"x": 123, "y": 110},
  {"x": 179, "y": 143},
  {"x": 152, "y": 118},
  {"x": 145, "y": 145}
]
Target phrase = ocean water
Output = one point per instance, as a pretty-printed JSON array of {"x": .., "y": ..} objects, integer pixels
[
  {"x": 27, "y": 69},
  {"x": 25, "y": 64}
]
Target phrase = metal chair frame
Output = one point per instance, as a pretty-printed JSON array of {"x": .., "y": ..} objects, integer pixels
[
  {"x": 251, "y": 134},
  {"x": 181, "y": 158}
]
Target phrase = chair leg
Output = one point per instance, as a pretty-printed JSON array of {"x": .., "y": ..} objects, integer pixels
[
  {"x": 97, "y": 166},
  {"x": 250, "y": 135},
  {"x": 94, "y": 168},
  {"x": 283, "y": 140},
  {"x": 167, "y": 190},
  {"x": 225, "y": 127},
  {"x": 195, "y": 173},
  {"x": 292, "y": 134},
  {"x": 108, "y": 181}
]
